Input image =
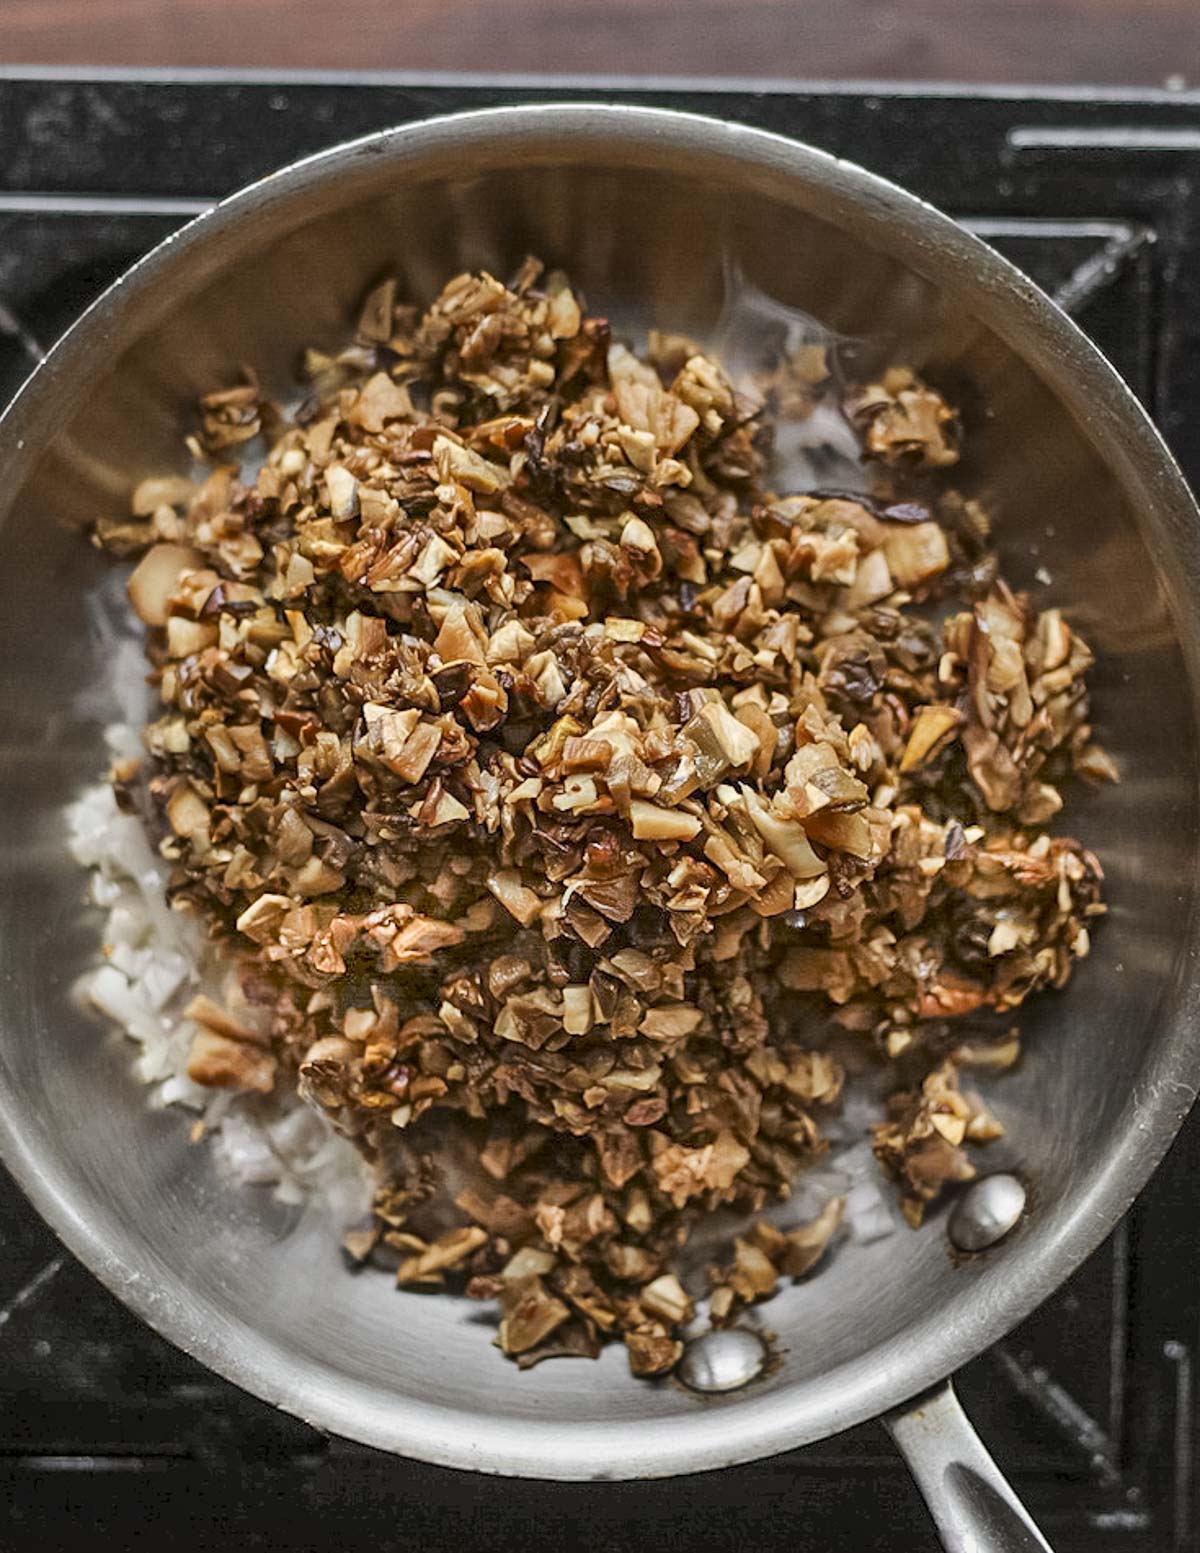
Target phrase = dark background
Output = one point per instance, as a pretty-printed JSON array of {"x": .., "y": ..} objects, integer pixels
[{"x": 1110, "y": 42}]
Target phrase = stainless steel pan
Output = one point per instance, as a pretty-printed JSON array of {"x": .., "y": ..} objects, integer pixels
[{"x": 646, "y": 209}]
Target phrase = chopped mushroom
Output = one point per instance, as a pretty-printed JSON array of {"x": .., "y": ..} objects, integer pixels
[
  {"x": 555, "y": 783},
  {"x": 217, "y": 1062},
  {"x": 155, "y": 577}
]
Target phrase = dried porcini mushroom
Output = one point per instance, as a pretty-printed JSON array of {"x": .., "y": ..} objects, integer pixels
[
  {"x": 904, "y": 420},
  {"x": 155, "y": 578},
  {"x": 765, "y": 1255},
  {"x": 548, "y": 772}
]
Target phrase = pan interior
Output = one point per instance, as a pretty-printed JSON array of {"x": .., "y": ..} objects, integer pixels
[{"x": 652, "y": 222}]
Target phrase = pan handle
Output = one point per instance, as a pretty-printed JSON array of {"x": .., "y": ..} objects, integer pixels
[{"x": 968, "y": 1496}]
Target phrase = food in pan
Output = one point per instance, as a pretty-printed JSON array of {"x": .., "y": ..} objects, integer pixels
[{"x": 572, "y": 820}]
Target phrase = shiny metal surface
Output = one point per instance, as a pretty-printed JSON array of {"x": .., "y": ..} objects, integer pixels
[
  {"x": 646, "y": 209},
  {"x": 725, "y": 1359},
  {"x": 986, "y": 1211},
  {"x": 972, "y": 1504}
]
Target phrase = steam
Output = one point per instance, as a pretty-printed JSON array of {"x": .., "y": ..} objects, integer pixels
[{"x": 754, "y": 334}]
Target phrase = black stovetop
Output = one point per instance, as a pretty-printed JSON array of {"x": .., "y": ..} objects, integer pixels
[{"x": 108, "y": 1436}]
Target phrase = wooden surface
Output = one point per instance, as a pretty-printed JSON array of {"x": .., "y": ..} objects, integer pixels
[{"x": 1143, "y": 42}]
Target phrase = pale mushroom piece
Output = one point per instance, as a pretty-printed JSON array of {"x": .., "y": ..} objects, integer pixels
[{"x": 155, "y": 577}]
